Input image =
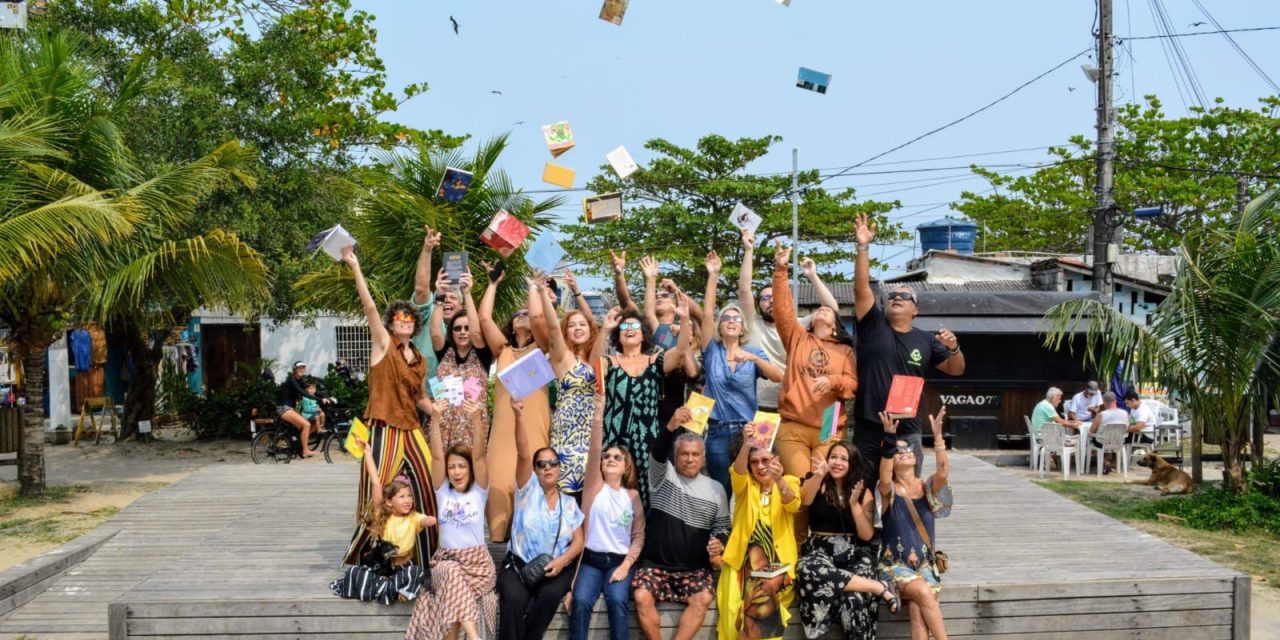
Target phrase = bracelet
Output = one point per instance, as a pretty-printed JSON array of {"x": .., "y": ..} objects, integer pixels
[
  {"x": 576, "y": 293},
  {"x": 953, "y": 351}
]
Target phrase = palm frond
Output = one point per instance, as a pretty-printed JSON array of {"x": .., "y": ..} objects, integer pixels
[
  {"x": 31, "y": 239},
  {"x": 169, "y": 198}
]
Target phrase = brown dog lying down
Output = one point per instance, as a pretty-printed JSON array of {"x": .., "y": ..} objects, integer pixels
[{"x": 1164, "y": 476}]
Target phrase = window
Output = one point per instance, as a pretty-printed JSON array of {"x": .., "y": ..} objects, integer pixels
[{"x": 353, "y": 345}]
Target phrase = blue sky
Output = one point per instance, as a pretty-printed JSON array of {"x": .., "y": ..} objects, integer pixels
[{"x": 680, "y": 70}]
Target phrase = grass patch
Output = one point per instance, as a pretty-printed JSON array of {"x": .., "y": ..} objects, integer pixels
[{"x": 60, "y": 493}]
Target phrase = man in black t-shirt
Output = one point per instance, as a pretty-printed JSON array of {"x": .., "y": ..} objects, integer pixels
[{"x": 887, "y": 346}]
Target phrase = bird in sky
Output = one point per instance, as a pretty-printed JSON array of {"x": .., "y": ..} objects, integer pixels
[
  {"x": 518, "y": 122},
  {"x": 496, "y": 92},
  {"x": 455, "y": 25},
  {"x": 1069, "y": 89},
  {"x": 1195, "y": 24}
]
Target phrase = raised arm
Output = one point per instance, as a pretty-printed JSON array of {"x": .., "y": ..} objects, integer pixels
[
  {"x": 437, "y": 315},
  {"x": 784, "y": 308},
  {"x": 380, "y": 340},
  {"x": 537, "y": 314},
  {"x": 746, "y": 298},
  {"x": 422, "y": 274},
  {"x": 860, "y": 505},
  {"x": 479, "y": 443},
  {"x": 473, "y": 316},
  {"x": 708, "y": 329},
  {"x": 943, "y": 470},
  {"x": 825, "y": 297},
  {"x": 886, "y": 459},
  {"x": 611, "y": 321},
  {"x": 488, "y": 328},
  {"x": 675, "y": 358},
  {"x": 524, "y": 457},
  {"x": 591, "y": 473},
  {"x": 650, "y": 268},
  {"x": 579, "y": 300},
  {"x": 813, "y": 482},
  {"x": 439, "y": 471},
  {"x": 863, "y": 299},
  {"x": 742, "y": 462},
  {"x": 561, "y": 358},
  {"x": 620, "y": 290}
]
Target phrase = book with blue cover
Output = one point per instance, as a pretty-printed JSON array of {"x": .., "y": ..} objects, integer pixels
[
  {"x": 545, "y": 253},
  {"x": 813, "y": 80},
  {"x": 454, "y": 185},
  {"x": 527, "y": 375}
]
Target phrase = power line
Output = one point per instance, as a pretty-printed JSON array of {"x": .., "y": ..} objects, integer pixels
[
  {"x": 1166, "y": 36},
  {"x": 1237, "y": 47}
]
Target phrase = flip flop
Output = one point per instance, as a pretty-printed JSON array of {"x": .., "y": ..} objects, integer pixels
[{"x": 892, "y": 592}]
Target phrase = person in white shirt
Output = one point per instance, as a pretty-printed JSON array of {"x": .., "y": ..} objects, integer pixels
[
  {"x": 1086, "y": 404},
  {"x": 1142, "y": 420},
  {"x": 1110, "y": 414}
]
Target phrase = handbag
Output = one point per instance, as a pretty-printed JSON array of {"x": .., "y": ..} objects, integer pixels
[
  {"x": 535, "y": 570},
  {"x": 939, "y": 557}
]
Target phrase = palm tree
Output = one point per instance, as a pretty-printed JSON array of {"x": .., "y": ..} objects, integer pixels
[
  {"x": 1213, "y": 341},
  {"x": 75, "y": 214},
  {"x": 399, "y": 199}
]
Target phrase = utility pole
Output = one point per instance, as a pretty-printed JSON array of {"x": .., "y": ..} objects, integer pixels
[
  {"x": 795, "y": 227},
  {"x": 1107, "y": 233}
]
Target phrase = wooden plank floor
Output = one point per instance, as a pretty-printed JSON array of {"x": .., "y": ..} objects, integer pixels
[{"x": 248, "y": 551}]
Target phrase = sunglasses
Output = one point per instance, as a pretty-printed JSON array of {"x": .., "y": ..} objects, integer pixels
[
  {"x": 897, "y": 451},
  {"x": 901, "y": 295},
  {"x": 523, "y": 313},
  {"x": 664, "y": 294},
  {"x": 768, "y": 297},
  {"x": 612, "y": 456},
  {"x": 759, "y": 462},
  {"x": 731, "y": 319},
  {"x": 630, "y": 325},
  {"x": 547, "y": 464},
  {"x": 462, "y": 328},
  {"x": 401, "y": 316}
]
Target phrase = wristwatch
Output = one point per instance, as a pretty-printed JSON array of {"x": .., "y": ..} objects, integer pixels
[{"x": 952, "y": 352}]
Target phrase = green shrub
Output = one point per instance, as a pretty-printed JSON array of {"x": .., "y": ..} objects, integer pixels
[
  {"x": 353, "y": 393},
  {"x": 1213, "y": 509},
  {"x": 1265, "y": 478}
]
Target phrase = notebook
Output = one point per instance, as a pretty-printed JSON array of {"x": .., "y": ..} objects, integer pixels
[
  {"x": 700, "y": 406},
  {"x": 613, "y": 11},
  {"x": 455, "y": 264},
  {"x": 602, "y": 208},
  {"x": 359, "y": 431},
  {"x": 558, "y": 136},
  {"x": 545, "y": 253},
  {"x": 454, "y": 185},
  {"x": 559, "y": 176},
  {"x": 904, "y": 397},
  {"x": 771, "y": 570},
  {"x": 505, "y": 233},
  {"x": 813, "y": 80},
  {"x": 332, "y": 242},
  {"x": 766, "y": 429},
  {"x": 527, "y": 375},
  {"x": 744, "y": 218},
  {"x": 448, "y": 388},
  {"x": 621, "y": 162},
  {"x": 830, "y": 421}
]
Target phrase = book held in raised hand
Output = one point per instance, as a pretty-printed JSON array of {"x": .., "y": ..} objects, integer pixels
[
  {"x": 559, "y": 137},
  {"x": 528, "y": 374},
  {"x": 812, "y": 80},
  {"x": 744, "y": 218},
  {"x": 766, "y": 425},
  {"x": 559, "y": 176},
  {"x": 357, "y": 435},
  {"x": 332, "y": 241},
  {"x": 454, "y": 185},
  {"x": 621, "y": 162},
  {"x": 602, "y": 208},
  {"x": 448, "y": 388},
  {"x": 904, "y": 396},
  {"x": 545, "y": 253},
  {"x": 700, "y": 407},
  {"x": 455, "y": 264},
  {"x": 505, "y": 233}
]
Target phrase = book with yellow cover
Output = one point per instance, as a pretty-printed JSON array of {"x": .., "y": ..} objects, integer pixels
[
  {"x": 560, "y": 176},
  {"x": 602, "y": 208},
  {"x": 700, "y": 406},
  {"x": 356, "y": 437}
]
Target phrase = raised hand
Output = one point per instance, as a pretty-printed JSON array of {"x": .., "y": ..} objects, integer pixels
[
  {"x": 781, "y": 254},
  {"x": 681, "y": 416},
  {"x": 488, "y": 269},
  {"x": 713, "y": 263},
  {"x": 890, "y": 425},
  {"x": 517, "y": 407},
  {"x": 349, "y": 257},
  {"x": 571, "y": 280},
  {"x": 470, "y": 407},
  {"x": 467, "y": 282},
  {"x": 649, "y": 267},
  {"x": 670, "y": 285},
  {"x": 775, "y": 468},
  {"x": 619, "y": 261},
  {"x": 443, "y": 283},
  {"x": 935, "y": 422},
  {"x": 808, "y": 268},
  {"x": 431, "y": 240},
  {"x": 612, "y": 319},
  {"x": 748, "y": 240},
  {"x": 748, "y": 433},
  {"x": 863, "y": 233},
  {"x": 818, "y": 465},
  {"x": 682, "y": 306}
]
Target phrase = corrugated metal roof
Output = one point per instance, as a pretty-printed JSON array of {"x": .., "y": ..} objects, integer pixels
[{"x": 843, "y": 291}]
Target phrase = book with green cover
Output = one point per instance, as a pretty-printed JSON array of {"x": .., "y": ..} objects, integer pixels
[{"x": 830, "y": 422}]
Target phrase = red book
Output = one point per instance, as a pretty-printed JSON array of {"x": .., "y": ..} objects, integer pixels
[
  {"x": 904, "y": 397},
  {"x": 505, "y": 233}
]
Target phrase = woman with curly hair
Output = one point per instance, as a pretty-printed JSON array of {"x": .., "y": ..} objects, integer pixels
[{"x": 461, "y": 352}]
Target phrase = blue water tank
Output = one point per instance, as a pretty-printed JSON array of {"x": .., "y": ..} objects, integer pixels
[{"x": 955, "y": 234}]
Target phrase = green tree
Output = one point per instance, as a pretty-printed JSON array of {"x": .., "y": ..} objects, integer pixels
[
  {"x": 1212, "y": 342},
  {"x": 68, "y": 177},
  {"x": 677, "y": 209},
  {"x": 394, "y": 205},
  {"x": 1195, "y": 166}
]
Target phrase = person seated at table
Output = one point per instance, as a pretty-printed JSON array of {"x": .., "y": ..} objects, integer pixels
[
  {"x": 1047, "y": 411},
  {"x": 1142, "y": 420},
  {"x": 1110, "y": 414},
  {"x": 1086, "y": 404}
]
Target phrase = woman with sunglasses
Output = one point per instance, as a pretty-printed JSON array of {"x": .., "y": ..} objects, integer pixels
[
  {"x": 633, "y": 383},
  {"x": 908, "y": 507},
  {"x": 752, "y": 600},
  {"x": 546, "y": 527},
  {"x": 571, "y": 343},
  {"x": 396, "y": 444},
  {"x": 615, "y": 535},
  {"x": 461, "y": 352},
  {"x": 509, "y": 343},
  {"x": 732, "y": 370}
]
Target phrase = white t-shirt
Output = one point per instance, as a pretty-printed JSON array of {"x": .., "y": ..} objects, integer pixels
[
  {"x": 461, "y": 516},
  {"x": 1145, "y": 415},
  {"x": 1080, "y": 404},
  {"x": 765, "y": 335},
  {"x": 609, "y": 523},
  {"x": 1112, "y": 416}
]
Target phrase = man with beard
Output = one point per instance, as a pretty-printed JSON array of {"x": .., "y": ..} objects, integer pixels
[
  {"x": 426, "y": 302},
  {"x": 761, "y": 330},
  {"x": 887, "y": 346}
]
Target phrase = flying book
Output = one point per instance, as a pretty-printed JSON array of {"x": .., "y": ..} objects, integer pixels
[
  {"x": 613, "y": 10},
  {"x": 504, "y": 233},
  {"x": 813, "y": 80},
  {"x": 331, "y": 241},
  {"x": 785, "y": 3},
  {"x": 357, "y": 435},
  {"x": 454, "y": 185},
  {"x": 744, "y": 218},
  {"x": 559, "y": 176},
  {"x": 13, "y": 15},
  {"x": 700, "y": 406},
  {"x": 602, "y": 208},
  {"x": 545, "y": 253},
  {"x": 455, "y": 264},
  {"x": 621, "y": 162},
  {"x": 559, "y": 137},
  {"x": 830, "y": 421},
  {"x": 904, "y": 397},
  {"x": 766, "y": 429},
  {"x": 771, "y": 570},
  {"x": 528, "y": 374}
]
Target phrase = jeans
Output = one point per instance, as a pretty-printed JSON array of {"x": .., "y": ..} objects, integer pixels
[
  {"x": 594, "y": 573},
  {"x": 718, "y": 440}
]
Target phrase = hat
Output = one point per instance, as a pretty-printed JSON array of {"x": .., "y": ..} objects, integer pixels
[
  {"x": 303, "y": 364},
  {"x": 1093, "y": 385}
]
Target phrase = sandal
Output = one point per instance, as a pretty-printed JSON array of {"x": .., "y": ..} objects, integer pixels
[{"x": 890, "y": 595}]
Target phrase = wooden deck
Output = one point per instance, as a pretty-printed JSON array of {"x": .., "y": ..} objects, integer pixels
[{"x": 248, "y": 552}]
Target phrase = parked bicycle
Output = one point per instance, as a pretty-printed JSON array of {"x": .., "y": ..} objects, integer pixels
[{"x": 275, "y": 440}]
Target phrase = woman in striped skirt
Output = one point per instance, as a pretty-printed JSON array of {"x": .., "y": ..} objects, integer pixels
[{"x": 396, "y": 371}]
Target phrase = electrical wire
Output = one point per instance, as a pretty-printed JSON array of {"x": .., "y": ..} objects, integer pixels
[{"x": 1237, "y": 47}]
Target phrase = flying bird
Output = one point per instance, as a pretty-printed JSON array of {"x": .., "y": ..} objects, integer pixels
[
  {"x": 518, "y": 122},
  {"x": 496, "y": 93},
  {"x": 455, "y": 25},
  {"x": 1069, "y": 89},
  {"x": 1195, "y": 24}
]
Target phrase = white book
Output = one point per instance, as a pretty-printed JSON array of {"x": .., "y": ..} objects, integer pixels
[
  {"x": 744, "y": 218},
  {"x": 621, "y": 162},
  {"x": 331, "y": 241},
  {"x": 13, "y": 15},
  {"x": 545, "y": 253}
]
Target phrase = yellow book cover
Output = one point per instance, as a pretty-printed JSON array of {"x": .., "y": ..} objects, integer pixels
[
  {"x": 558, "y": 175},
  {"x": 359, "y": 432},
  {"x": 766, "y": 429},
  {"x": 700, "y": 406}
]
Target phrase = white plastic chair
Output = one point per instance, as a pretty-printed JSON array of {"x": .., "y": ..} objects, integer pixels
[
  {"x": 1053, "y": 440},
  {"x": 1111, "y": 436},
  {"x": 1035, "y": 443}
]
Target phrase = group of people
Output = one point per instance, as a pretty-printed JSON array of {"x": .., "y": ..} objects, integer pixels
[
  {"x": 597, "y": 489},
  {"x": 1086, "y": 413}
]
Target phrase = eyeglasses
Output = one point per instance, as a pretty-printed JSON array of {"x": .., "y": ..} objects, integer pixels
[
  {"x": 901, "y": 295},
  {"x": 731, "y": 319},
  {"x": 630, "y": 325},
  {"x": 768, "y": 297},
  {"x": 546, "y": 464},
  {"x": 612, "y": 456},
  {"x": 898, "y": 451},
  {"x": 758, "y": 462},
  {"x": 523, "y": 313},
  {"x": 663, "y": 294},
  {"x": 402, "y": 316}
]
